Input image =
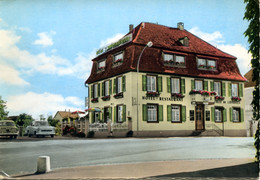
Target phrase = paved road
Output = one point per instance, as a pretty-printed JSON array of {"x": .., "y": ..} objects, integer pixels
[{"x": 21, "y": 157}]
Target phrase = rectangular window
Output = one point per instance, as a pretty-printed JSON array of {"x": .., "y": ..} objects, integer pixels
[
  {"x": 234, "y": 90},
  {"x": 168, "y": 57},
  {"x": 175, "y": 85},
  {"x": 198, "y": 85},
  {"x": 175, "y": 60},
  {"x": 95, "y": 95},
  {"x": 206, "y": 64},
  {"x": 211, "y": 64},
  {"x": 151, "y": 84},
  {"x": 101, "y": 64},
  {"x": 217, "y": 88},
  {"x": 235, "y": 114},
  {"x": 218, "y": 115},
  {"x": 118, "y": 58},
  {"x": 176, "y": 114},
  {"x": 106, "y": 93},
  {"x": 180, "y": 60},
  {"x": 119, "y": 84},
  {"x": 120, "y": 113},
  {"x": 201, "y": 63},
  {"x": 152, "y": 113}
]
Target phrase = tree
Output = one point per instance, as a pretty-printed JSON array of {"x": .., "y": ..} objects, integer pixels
[
  {"x": 24, "y": 120},
  {"x": 52, "y": 122},
  {"x": 3, "y": 112}
]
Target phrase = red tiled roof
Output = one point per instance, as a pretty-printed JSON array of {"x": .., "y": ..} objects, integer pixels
[{"x": 167, "y": 39}]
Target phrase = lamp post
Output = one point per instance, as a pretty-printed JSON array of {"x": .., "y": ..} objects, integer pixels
[{"x": 149, "y": 44}]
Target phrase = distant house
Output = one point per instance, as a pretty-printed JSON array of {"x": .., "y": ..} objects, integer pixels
[
  {"x": 183, "y": 85},
  {"x": 251, "y": 125}
]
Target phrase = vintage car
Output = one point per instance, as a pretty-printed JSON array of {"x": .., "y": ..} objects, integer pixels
[
  {"x": 8, "y": 128},
  {"x": 40, "y": 128}
]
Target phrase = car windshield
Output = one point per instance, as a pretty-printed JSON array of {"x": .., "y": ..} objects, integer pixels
[
  {"x": 6, "y": 123},
  {"x": 41, "y": 123}
]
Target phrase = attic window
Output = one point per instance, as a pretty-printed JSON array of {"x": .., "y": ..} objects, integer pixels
[
  {"x": 206, "y": 64},
  {"x": 101, "y": 65},
  {"x": 184, "y": 41},
  {"x": 174, "y": 60},
  {"x": 118, "y": 58}
]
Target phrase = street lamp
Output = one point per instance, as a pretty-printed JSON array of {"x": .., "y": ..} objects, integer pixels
[{"x": 149, "y": 44}]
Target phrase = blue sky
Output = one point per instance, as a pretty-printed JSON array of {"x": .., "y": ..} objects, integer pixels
[{"x": 46, "y": 46}]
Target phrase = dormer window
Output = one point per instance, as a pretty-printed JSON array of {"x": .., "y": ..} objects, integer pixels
[
  {"x": 174, "y": 60},
  {"x": 184, "y": 41},
  {"x": 206, "y": 64},
  {"x": 101, "y": 65},
  {"x": 118, "y": 58}
]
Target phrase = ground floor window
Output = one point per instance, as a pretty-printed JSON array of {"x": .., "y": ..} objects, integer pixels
[
  {"x": 176, "y": 112},
  {"x": 120, "y": 113},
  {"x": 218, "y": 114},
  {"x": 236, "y": 114},
  {"x": 152, "y": 113}
]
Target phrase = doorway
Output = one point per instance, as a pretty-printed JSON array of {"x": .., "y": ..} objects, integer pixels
[
  {"x": 200, "y": 123},
  {"x": 106, "y": 114}
]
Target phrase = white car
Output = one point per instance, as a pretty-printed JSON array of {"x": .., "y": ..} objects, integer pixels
[{"x": 40, "y": 128}]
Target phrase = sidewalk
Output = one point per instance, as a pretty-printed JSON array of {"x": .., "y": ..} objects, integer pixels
[{"x": 241, "y": 168}]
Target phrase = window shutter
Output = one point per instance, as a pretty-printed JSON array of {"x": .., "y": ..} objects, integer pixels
[
  {"x": 240, "y": 90},
  {"x": 223, "y": 89},
  {"x": 205, "y": 85},
  {"x": 192, "y": 84},
  {"x": 169, "y": 113},
  {"x": 213, "y": 114},
  {"x": 103, "y": 89},
  {"x": 114, "y": 86},
  {"x": 224, "y": 115},
  {"x": 211, "y": 86},
  {"x": 183, "y": 113},
  {"x": 110, "y": 113},
  {"x": 110, "y": 87},
  {"x": 115, "y": 114},
  {"x": 229, "y": 89},
  {"x": 98, "y": 89},
  {"x": 124, "y": 113},
  {"x": 159, "y": 83},
  {"x": 92, "y": 91},
  {"x": 168, "y": 85},
  {"x": 123, "y": 83},
  {"x": 160, "y": 112},
  {"x": 182, "y": 86},
  {"x": 144, "y": 112},
  {"x": 242, "y": 114},
  {"x": 144, "y": 82},
  {"x": 230, "y": 114}
]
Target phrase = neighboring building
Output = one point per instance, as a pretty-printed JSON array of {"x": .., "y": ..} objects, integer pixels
[
  {"x": 251, "y": 125},
  {"x": 176, "y": 76}
]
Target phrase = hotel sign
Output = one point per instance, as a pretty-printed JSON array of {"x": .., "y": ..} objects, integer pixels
[{"x": 121, "y": 42}]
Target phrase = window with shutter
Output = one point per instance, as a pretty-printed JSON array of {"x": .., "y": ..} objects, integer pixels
[
  {"x": 152, "y": 114},
  {"x": 234, "y": 90},
  {"x": 217, "y": 88},
  {"x": 176, "y": 113},
  {"x": 198, "y": 85},
  {"x": 119, "y": 113},
  {"x": 175, "y": 85}
]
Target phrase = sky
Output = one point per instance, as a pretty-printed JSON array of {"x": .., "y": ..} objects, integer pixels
[{"x": 46, "y": 46}]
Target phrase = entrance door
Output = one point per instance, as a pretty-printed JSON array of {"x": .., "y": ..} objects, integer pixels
[{"x": 200, "y": 123}]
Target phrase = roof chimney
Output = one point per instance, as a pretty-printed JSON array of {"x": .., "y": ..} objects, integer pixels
[
  {"x": 180, "y": 26},
  {"x": 131, "y": 26}
]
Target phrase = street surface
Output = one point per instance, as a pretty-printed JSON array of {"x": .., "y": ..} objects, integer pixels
[{"x": 20, "y": 157}]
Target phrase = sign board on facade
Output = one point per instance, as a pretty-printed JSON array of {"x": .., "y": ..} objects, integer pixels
[{"x": 121, "y": 42}]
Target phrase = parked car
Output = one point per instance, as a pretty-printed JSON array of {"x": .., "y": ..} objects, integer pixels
[
  {"x": 40, "y": 128},
  {"x": 8, "y": 128}
]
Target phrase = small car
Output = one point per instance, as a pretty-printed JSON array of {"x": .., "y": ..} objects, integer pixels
[
  {"x": 8, "y": 128},
  {"x": 40, "y": 128}
]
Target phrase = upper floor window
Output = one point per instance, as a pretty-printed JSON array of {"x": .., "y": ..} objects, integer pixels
[
  {"x": 206, "y": 64},
  {"x": 118, "y": 58},
  {"x": 101, "y": 65},
  {"x": 234, "y": 90},
  {"x": 175, "y": 60},
  {"x": 151, "y": 84},
  {"x": 198, "y": 85},
  {"x": 119, "y": 84},
  {"x": 175, "y": 85},
  {"x": 106, "y": 88},
  {"x": 95, "y": 93},
  {"x": 217, "y": 88}
]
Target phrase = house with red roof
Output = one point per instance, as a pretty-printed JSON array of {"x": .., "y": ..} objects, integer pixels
[{"x": 165, "y": 81}]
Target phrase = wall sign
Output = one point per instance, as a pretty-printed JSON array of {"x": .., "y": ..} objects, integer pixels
[{"x": 162, "y": 98}]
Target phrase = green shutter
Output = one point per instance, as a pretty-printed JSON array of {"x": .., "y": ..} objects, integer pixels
[
  {"x": 182, "y": 86},
  {"x": 168, "y": 85},
  {"x": 240, "y": 91},
  {"x": 160, "y": 112},
  {"x": 144, "y": 112},
  {"x": 183, "y": 113},
  {"x": 211, "y": 86},
  {"x": 223, "y": 89},
  {"x": 110, "y": 113},
  {"x": 230, "y": 114},
  {"x": 213, "y": 114},
  {"x": 110, "y": 87},
  {"x": 159, "y": 83},
  {"x": 169, "y": 113},
  {"x": 114, "y": 86},
  {"x": 124, "y": 113},
  {"x": 92, "y": 91},
  {"x": 144, "y": 82},
  {"x": 205, "y": 85},
  {"x": 192, "y": 84},
  {"x": 229, "y": 89},
  {"x": 115, "y": 114},
  {"x": 242, "y": 114},
  {"x": 224, "y": 115},
  {"x": 123, "y": 84},
  {"x": 103, "y": 89}
]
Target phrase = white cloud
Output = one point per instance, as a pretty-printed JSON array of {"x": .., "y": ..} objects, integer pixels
[
  {"x": 11, "y": 76},
  {"x": 46, "y": 103},
  {"x": 237, "y": 50},
  {"x": 45, "y": 39},
  {"x": 111, "y": 40}
]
